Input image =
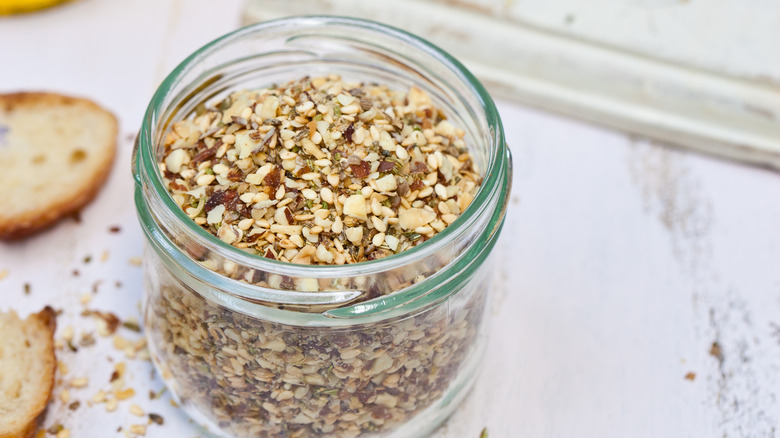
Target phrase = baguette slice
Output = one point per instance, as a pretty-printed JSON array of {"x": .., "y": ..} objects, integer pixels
[
  {"x": 55, "y": 152},
  {"x": 27, "y": 366}
]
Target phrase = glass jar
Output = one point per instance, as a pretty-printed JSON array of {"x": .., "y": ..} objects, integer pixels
[{"x": 254, "y": 347}]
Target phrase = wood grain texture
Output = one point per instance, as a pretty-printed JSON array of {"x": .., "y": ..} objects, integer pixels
[
  {"x": 621, "y": 263},
  {"x": 619, "y": 83}
]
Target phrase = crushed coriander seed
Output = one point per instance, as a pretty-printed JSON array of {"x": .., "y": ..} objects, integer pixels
[{"x": 288, "y": 171}]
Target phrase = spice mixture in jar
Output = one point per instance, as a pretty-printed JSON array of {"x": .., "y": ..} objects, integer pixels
[
  {"x": 316, "y": 171},
  {"x": 320, "y": 171},
  {"x": 318, "y": 250},
  {"x": 251, "y": 378}
]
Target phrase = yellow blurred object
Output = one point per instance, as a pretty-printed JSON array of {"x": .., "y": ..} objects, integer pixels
[{"x": 8, "y": 7}]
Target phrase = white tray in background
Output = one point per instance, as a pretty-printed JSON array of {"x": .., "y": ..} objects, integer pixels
[{"x": 699, "y": 74}]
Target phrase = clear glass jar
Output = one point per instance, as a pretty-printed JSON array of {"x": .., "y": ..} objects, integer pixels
[{"x": 253, "y": 347}]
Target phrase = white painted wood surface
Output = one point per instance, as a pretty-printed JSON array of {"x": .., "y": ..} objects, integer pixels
[
  {"x": 621, "y": 262},
  {"x": 620, "y": 82},
  {"x": 740, "y": 39}
]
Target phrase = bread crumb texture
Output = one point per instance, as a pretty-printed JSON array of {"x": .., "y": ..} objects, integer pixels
[
  {"x": 56, "y": 153},
  {"x": 27, "y": 367}
]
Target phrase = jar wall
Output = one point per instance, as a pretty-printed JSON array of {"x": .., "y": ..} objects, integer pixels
[
  {"x": 233, "y": 334},
  {"x": 248, "y": 377},
  {"x": 358, "y": 51}
]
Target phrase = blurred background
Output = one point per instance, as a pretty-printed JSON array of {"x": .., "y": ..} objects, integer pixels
[
  {"x": 638, "y": 276},
  {"x": 703, "y": 74}
]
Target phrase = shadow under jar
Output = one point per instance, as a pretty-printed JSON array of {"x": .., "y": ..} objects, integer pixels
[{"x": 254, "y": 347}]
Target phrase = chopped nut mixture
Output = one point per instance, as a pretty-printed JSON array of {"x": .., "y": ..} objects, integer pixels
[
  {"x": 319, "y": 171},
  {"x": 316, "y": 171},
  {"x": 258, "y": 379}
]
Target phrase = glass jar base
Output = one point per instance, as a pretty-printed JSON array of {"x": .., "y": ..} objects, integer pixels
[{"x": 421, "y": 426}]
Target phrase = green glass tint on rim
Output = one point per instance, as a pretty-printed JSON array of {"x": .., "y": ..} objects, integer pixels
[
  {"x": 497, "y": 176},
  {"x": 402, "y": 302},
  {"x": 147, "y": 160}
]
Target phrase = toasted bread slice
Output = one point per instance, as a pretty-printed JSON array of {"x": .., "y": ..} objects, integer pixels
[
  {"x": 27, "y": 365},
  {"x": 55, "y": 153}
]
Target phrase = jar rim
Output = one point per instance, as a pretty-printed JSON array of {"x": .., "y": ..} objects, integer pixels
[{"x": 145, "y": 161}]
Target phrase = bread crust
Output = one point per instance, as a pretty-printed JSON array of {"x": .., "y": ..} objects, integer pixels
[
  {"x": 46, "y": 320},
  {"x": 27, "y": 432},
  {"x": 30, "y": 222}
]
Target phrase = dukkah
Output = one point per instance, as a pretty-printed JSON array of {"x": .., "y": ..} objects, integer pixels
[
  {"x": 259, "y": 379},
  {"x": 319, "y": 171},
  {"x": 316, "y": 171}
]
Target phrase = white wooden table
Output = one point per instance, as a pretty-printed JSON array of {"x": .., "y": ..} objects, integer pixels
[{"x": 621, "y": 262}]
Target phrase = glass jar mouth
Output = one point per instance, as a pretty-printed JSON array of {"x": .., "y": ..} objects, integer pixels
[{"x": 146, "y": 167}]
